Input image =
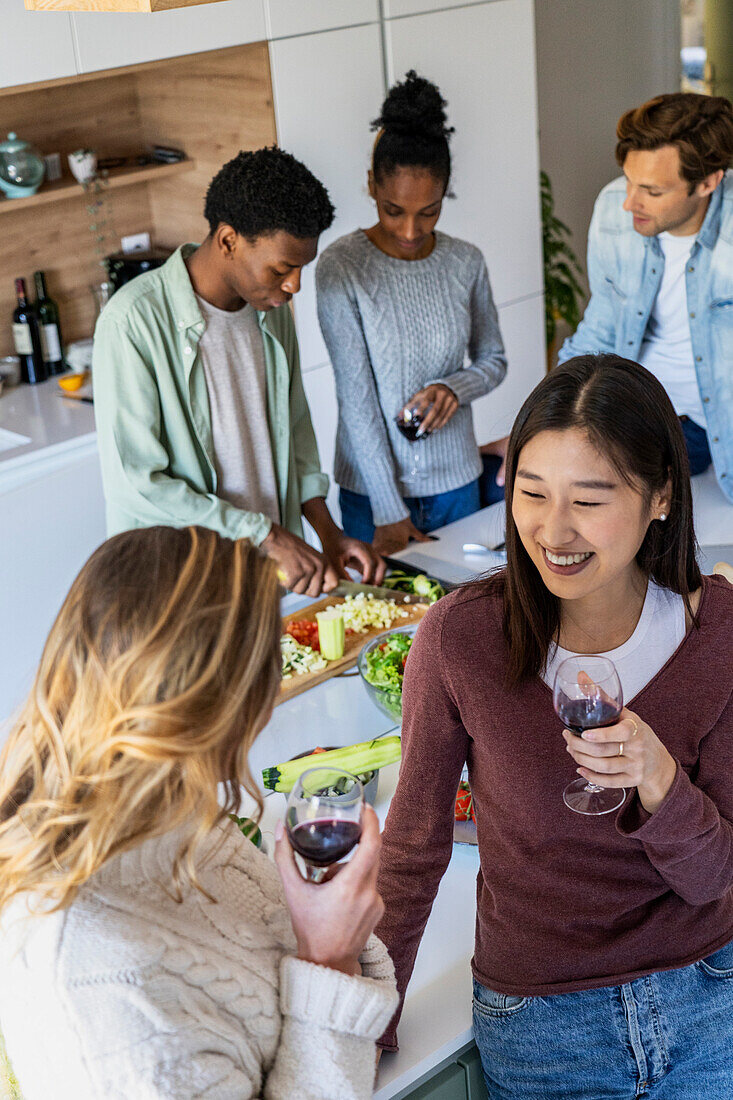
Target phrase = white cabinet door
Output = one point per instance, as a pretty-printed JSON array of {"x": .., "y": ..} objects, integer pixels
[
  {"x": 393, "y": 8},
  {"x": 287, "y": 17},
  {"x": 482, "y": 57},
  {"x": 324, "y": 121},
  {"x": 320, "y": 389},
  {"x": 523, "y": 330},
  {"x": 108, "y": 40},
  {"x": 50, "y": 527},
  {"x": 34, "y": 45}
]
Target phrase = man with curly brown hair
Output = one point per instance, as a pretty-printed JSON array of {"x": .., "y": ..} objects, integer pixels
[
  {"x": 660, "y": 265},
  {"x": 201, "y": 414}
]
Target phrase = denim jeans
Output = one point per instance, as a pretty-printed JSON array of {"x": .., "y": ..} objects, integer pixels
[
  {"x": 668, "y": 1036},
  {"x": 427, "y": 513},
  {"x": 698, "y": 448},
  {"x": 490, "y": 492}
]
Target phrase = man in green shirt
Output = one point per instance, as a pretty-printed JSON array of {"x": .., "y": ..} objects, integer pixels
[{"x": 201, "y": 413}]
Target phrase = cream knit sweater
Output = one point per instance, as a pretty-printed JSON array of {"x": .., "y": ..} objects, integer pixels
[{"x": 129, "y": 995}]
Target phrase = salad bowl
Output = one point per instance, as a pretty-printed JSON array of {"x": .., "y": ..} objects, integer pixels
[{"x": 381, "y": 664}]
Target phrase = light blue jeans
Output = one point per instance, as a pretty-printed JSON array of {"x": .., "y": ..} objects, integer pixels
[{"x": 668, "y": 1036}]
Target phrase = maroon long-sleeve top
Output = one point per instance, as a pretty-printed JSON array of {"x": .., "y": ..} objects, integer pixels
[{"x": 564, "y": 901}]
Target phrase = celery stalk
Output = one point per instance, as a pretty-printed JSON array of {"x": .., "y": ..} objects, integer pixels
[{"x": 331, "y": 633}]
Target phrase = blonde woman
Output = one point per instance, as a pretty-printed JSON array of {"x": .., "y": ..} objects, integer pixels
[{"x": 147, "y": 949}]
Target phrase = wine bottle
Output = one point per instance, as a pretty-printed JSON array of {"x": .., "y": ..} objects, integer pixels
[
  {"x": 27, "y": 338},
  {"x": 49, "y": 327}
]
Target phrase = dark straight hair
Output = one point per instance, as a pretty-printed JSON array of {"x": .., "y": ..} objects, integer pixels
[{"x": 629, "y": 419}]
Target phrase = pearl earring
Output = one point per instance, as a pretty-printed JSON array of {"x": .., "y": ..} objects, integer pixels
[{"x": 663, "y": 516}]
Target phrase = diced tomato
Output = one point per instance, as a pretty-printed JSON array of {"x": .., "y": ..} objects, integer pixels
[
  {"x": 464, "y": 803},
  {"x": 305, "y": 632}
]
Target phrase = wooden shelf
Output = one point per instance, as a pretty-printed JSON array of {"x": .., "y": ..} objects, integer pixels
[{"x": 65, "y": 188}]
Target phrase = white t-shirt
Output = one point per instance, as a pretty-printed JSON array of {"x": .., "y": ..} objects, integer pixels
[
  {"x": 659, "y": 631},
  {"x": 233, "y": 358},
  {"x": 666, "y": 350}
]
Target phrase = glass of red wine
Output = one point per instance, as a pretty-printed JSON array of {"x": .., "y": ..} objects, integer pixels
[
  {"x": 323, "y": 818},
  {"x": 588, "y": 694},
  {"x": 408, "y": 421}
]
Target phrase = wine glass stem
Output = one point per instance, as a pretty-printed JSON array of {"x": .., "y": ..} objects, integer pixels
[{"x": 315, "y": 874}]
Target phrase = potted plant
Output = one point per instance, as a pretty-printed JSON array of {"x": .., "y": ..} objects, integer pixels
[{"x": 563, "y": 292}]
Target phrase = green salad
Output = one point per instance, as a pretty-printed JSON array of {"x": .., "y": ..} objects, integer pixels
[
  {"x": 419, "y": 585},
  {"x": 385, "y": 669}
]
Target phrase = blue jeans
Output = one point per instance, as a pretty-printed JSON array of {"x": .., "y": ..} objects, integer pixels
[
  {"x": 491, "y": 493},
  {"x": 698, "y": 448},
  {"x": 668, "y": 1036},
  {"x": 427, "y": 513}
]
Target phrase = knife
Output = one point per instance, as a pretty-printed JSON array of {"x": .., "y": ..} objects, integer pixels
[{"x": 353, "y": 588}]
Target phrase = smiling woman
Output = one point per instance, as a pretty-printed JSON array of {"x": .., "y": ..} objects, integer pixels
[{"x": 613, "y": 928}]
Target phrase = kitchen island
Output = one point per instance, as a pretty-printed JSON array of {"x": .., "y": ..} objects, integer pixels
[{"x": 436, "y": 1024}]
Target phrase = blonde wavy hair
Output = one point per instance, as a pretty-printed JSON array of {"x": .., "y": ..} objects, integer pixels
[{"x": 158, "y": 674}]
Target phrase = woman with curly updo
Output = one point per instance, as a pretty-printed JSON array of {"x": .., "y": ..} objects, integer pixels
[{"x": 410, "y": 324}]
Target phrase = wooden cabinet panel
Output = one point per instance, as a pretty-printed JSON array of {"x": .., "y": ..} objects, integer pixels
[
  {"x": 34, "y": 46},
  {"x": 523, "y": 329},
  {"x": 483, "y": 59},
  {"x": 109, "y": 40},
  {"x": 288, "y": 17},
  {"x": 324, "y": 121}
]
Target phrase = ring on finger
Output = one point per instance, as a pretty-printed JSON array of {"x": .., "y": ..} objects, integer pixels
[
  {"x": 635, "y": 729},
  {"x": 620, "y": 749}
]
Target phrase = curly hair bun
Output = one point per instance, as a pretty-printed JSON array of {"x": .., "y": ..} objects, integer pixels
[{"x": 414, "y": 107}]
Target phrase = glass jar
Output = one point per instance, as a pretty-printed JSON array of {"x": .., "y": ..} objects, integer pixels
[{"x": 21, "y": 167}]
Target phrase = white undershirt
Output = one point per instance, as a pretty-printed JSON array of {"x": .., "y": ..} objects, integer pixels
[
  {"x": 666, "y": 349},
  {"x": 658, "y": 633}
]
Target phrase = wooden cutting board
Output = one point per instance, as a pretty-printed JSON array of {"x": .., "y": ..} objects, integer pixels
[{"x": 354, "y": 642}]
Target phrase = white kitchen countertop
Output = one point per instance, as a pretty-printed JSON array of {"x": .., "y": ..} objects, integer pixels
[
  {"x": 436, "y": 1023},
  {"x": 52, "y": 425}
]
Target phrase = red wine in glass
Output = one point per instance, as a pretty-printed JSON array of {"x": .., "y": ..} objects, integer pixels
[
  {"x": 324, "y": 840},
  {"x": 587, "y": 695},
  {"x": 323, "y": 817},
  {"x": 409, "y": 424}
]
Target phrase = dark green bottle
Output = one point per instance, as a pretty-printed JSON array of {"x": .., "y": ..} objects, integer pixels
[{"x": 50, "y": 328}]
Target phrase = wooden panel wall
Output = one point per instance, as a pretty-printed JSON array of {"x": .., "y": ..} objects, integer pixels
[
  {"x": 211, "y": 104},
  {"x": 212, "y": 110}
]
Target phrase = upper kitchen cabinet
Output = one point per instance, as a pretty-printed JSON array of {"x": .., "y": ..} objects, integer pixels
[
  {"x": 34, "y": 46},
  {"x": 482, "y": 57},
  {"x": 109, "y": 40},
  {"x": 395, "y": 8},
  {"x": 327, "y": 87},
  {"x": 288, "y": 17}
]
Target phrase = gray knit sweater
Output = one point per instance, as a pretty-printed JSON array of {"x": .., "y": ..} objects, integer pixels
[{"x": 391, "y": 328}]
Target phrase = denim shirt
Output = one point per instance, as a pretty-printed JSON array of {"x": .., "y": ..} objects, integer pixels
[{"x": 625, "y": 272}]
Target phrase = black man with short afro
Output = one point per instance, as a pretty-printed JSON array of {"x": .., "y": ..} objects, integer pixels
[{"x": 203, "y": 418}]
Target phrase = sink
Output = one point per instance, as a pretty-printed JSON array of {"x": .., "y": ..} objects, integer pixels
[{"x": 9, "y": 440}]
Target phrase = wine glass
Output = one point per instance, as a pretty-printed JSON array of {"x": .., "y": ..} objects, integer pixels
[
  {"x": 408, "y": 421},
  {"x": 588, "y": 694},
  {"x": 323, "y": 818}
]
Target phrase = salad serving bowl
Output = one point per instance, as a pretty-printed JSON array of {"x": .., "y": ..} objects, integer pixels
[{"x": 381, "y": 664}]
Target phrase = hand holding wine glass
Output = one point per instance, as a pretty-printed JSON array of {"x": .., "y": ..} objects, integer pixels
[
  {"x": 644, "y": 762},
  {"x": 333, "y": 920}
]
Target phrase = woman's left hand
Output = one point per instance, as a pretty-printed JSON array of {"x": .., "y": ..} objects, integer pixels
[
  {"x": 626, "y": 754},
  {"x": 436, "y": 403}
]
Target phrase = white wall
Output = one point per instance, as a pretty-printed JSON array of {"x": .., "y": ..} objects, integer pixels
[{"x": 596, "y": 59}]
